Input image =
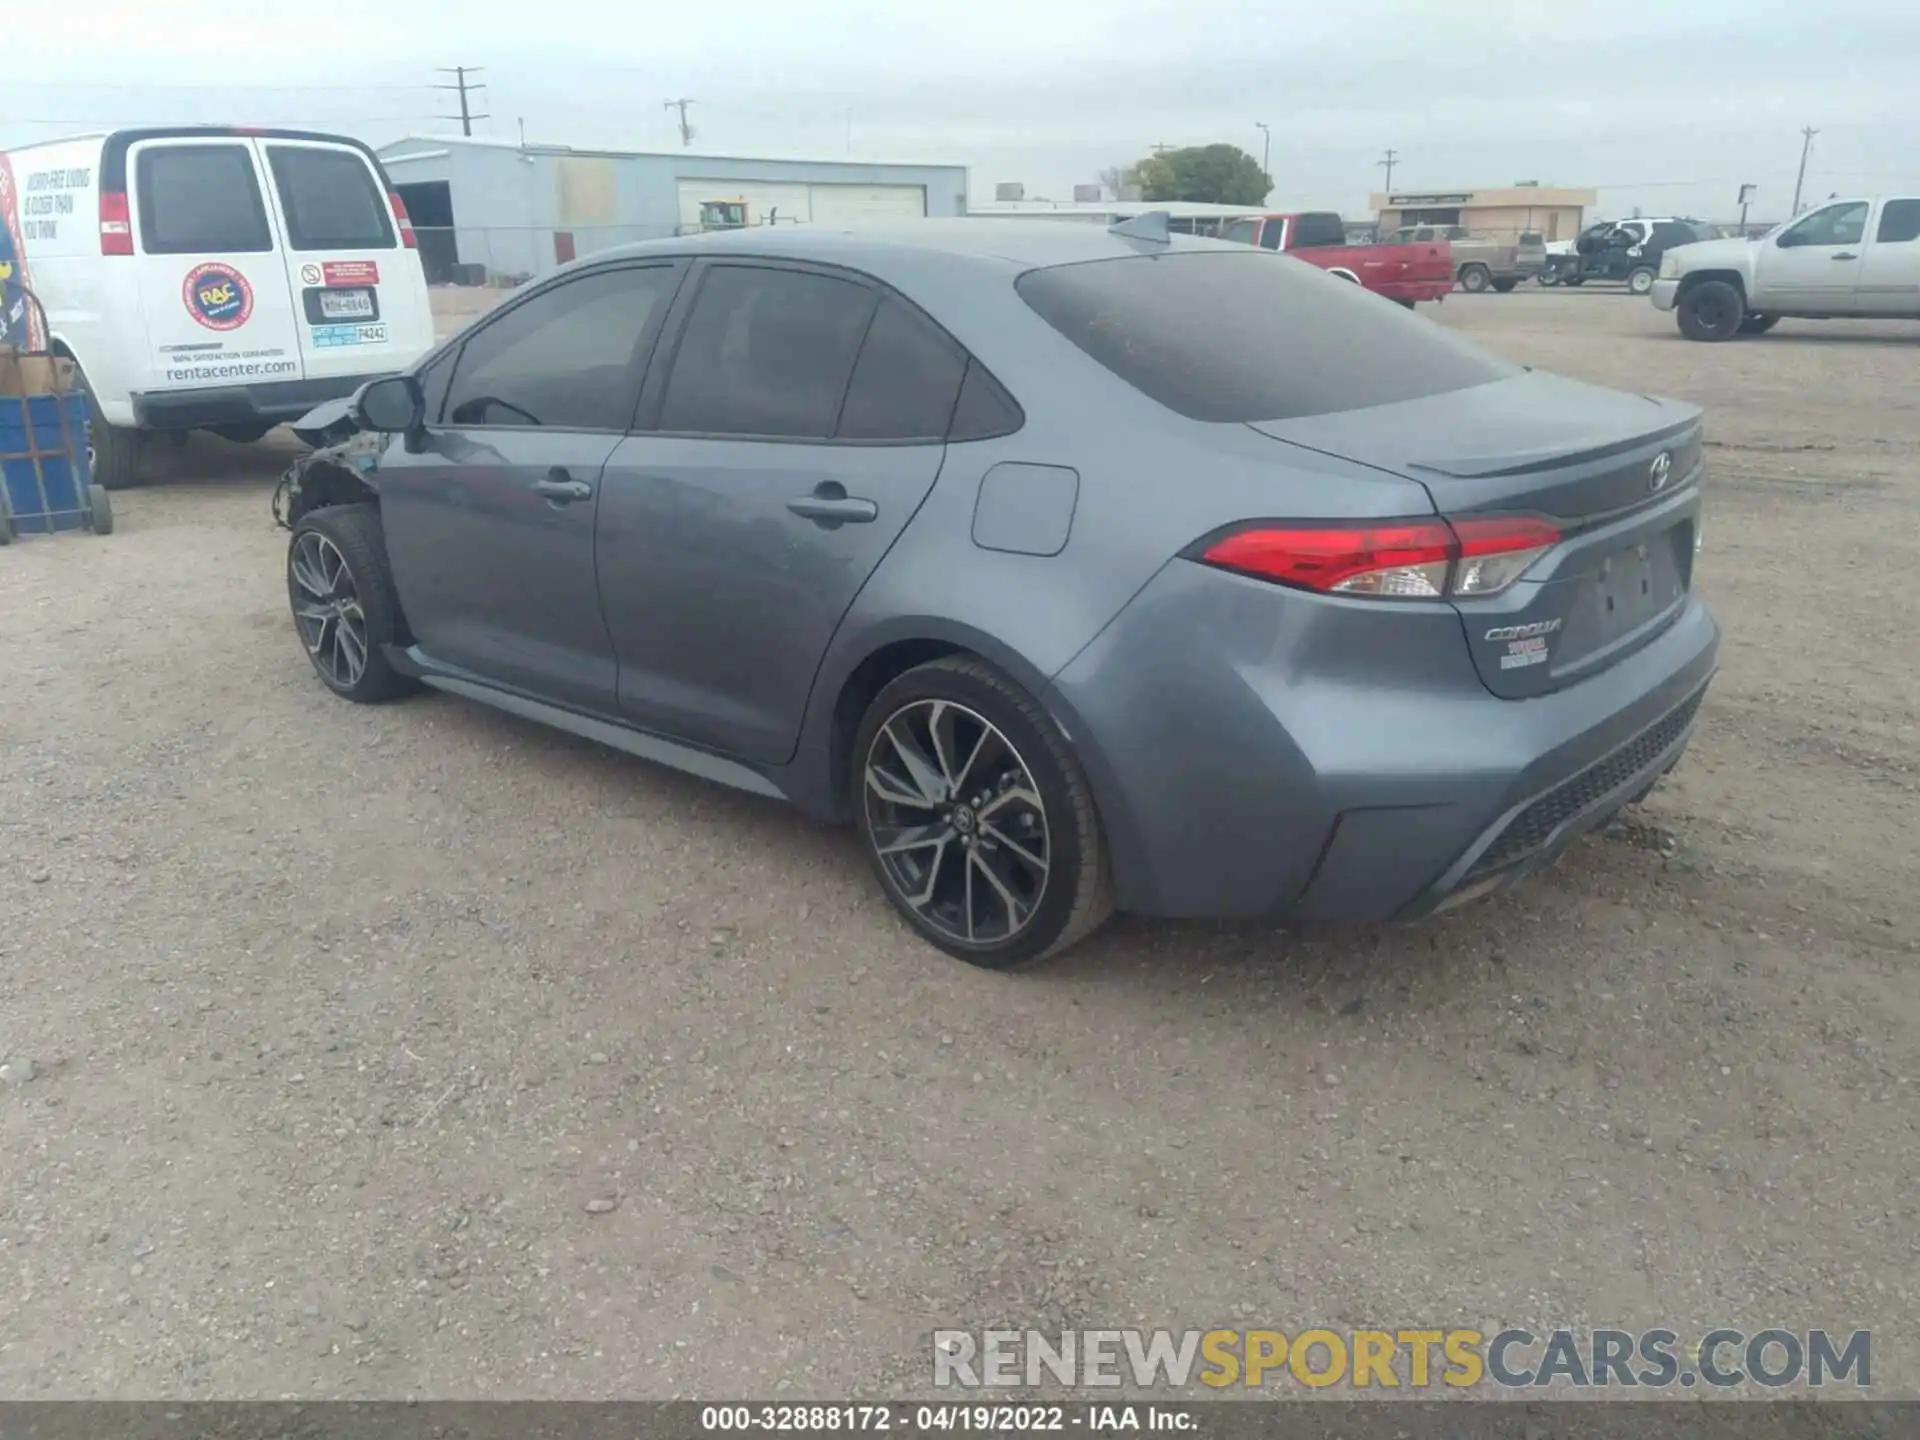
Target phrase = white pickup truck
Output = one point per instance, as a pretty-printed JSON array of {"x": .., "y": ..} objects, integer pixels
[{"x": 1857, "y": 259}]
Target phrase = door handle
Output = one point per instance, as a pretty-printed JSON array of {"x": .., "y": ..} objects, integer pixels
[
  {"x": 1846, "y": 255},
  {"x": 830, "y": 506},
  {"x": 562, "y": 489}
]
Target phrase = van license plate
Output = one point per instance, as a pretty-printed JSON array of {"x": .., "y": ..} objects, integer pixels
[{"x": 346, "y": 304}]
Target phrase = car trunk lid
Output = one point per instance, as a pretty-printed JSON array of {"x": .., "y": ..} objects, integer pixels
[{"x": 1618, "y": 474}]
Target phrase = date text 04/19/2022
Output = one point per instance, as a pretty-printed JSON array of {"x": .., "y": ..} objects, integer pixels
[{"x": 943, "y": 1419}]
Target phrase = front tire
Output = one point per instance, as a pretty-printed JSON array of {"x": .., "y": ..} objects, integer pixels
[
  {"x": 345, "y": 608},
  {"x": 1711, "y": 311},
  {"x": 1474, "y": 278},
  {"x": 1640, "y": 280},
  {"x": 977, "y": 817}
]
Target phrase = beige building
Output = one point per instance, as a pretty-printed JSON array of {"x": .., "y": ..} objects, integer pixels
[{"x": 1497, "y": 214}]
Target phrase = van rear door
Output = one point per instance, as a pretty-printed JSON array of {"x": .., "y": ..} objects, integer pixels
[
  {"x": 213, "y": 289},
  {"x": 359, "y": 294}
]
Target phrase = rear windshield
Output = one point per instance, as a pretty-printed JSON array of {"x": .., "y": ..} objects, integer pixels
[
  {"x": 1318, "y": 229},
  {"x": 330, "y": 199},
  {"x": 200, "y": 200},
  {"x": 1239, "y": 336}
]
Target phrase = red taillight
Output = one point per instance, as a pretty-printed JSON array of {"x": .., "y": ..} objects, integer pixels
[
  {"x": 407, "y": 237},
  {"x": 116, "y": 224},
  {"x": 1398, "y": 559}
]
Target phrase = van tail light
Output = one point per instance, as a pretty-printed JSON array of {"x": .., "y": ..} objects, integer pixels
[
  {"x": 400, "y": 218},
  {"x": 116, "y": 224},
  {"x": 1391, "y": 559}
]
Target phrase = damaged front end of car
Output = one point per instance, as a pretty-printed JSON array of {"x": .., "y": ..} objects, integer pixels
[{"x": 340, "y": 469}]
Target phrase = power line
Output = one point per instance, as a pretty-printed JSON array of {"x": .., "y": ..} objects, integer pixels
[
  {"x": 122, "y": 86},
  {"x": 464, "y": 86}
]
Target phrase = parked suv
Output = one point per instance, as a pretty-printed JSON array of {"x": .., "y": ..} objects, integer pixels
[{"x": 1627, "y": 251}]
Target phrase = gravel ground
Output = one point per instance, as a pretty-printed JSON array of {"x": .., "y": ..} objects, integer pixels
[{"x": 421, "y": 1051}]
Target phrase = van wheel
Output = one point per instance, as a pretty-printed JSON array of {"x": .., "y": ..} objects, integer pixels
[
  {"x": 1474, "y": 278},
  {"x": 1640, "y": 281},
  {"x": 1712, "y": 311},
  {"x": 115, "y": 452}
]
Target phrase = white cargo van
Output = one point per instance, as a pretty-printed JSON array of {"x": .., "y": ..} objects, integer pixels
[{"x": 213, "y": 278}]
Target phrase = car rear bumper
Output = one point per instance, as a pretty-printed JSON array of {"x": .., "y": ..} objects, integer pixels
[
  {"x": 1665, "y": 294},
  {"x": 1256, "y": 756},
  {"x": 272, "y": 402}
]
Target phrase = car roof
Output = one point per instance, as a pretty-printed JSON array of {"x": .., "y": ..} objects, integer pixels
[{"x": 1007, "y": 244}]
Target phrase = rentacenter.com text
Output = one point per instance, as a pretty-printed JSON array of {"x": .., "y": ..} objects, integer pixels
[{"x": 1413, "y": 1359}]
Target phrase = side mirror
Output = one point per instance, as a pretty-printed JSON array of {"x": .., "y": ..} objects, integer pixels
[{"x": 392, "y": 405}]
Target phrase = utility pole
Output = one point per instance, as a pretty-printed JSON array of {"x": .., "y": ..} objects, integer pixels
[
  {"x": 686, "y": 130},
  {"x": 1807, "y": 133},
  {"x": 1266, "y": 147},
  {"x": 1392, "y": 159},
  {"x": 464, "y": 86},
  {"x": 523, "y": 132},
  {"x": 1746, "y": 198}
]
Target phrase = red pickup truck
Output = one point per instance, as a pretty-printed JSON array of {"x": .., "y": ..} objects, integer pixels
[{"x": 1408, "y": 273}]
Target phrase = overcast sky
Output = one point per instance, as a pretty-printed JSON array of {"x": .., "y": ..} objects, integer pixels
[{"x": 1667, "y": 107}]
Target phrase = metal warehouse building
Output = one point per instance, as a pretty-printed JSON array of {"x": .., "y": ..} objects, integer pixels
[{"x": 490, "y": 210}]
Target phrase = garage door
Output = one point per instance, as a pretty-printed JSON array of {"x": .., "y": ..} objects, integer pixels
[{"x": 858, "y": 204}]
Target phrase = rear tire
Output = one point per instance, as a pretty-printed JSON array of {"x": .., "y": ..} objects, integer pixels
[
  {"x": 116, "y": 451},
  {"x": 1711, "y": 311},
  {"x": 977, "y": 817},
  {"x": 1474, "y": 278},
  {"x": 1758, "y": 324},
  {"x": 1505, "y": 287},
  {"x": 1640, "y": 280},
  {"x": 101, "y": 506},
  {"x": 346, "y": 610}
]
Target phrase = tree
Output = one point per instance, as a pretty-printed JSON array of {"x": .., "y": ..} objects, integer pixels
[{"x": 1203, "y": 174}]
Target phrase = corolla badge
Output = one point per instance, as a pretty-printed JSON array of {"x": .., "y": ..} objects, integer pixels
[{"x": 1660, "y": 472}]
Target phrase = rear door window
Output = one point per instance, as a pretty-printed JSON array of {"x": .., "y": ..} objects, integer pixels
[
  {"x": 1899, "y": 222},
  {"x": 200, "y": 200},
  {"x": 1227, "y": 336},
  {"x": 906, "y": 380},
  {"x": 330, "y": 199},
  {"x": 766, "y": 352}
]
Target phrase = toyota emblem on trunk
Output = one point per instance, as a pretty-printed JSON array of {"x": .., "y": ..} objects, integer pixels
[{"x": 1659, "y": 471}]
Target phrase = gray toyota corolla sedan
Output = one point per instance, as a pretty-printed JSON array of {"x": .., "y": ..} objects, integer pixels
[{"x": 1079, "y": 568}]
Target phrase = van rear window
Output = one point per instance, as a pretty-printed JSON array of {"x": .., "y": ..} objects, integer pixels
[
  {"x": 330, "y": 199},
  {"x": 200, "y": 199},
  {"x": 1225, "y": 336}
]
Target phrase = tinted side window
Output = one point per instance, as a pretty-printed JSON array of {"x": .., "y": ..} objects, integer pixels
[
  {"x": 1272, "y": 232},
  {"x": 568, "y": 358},
  {"x": 1218, "y": 336},
  {"x": 200, "y": 199},
  {"x": 1318, "y": 228},
  {"x": 330, "y": 199},
  {"x": 906, "y": 380},
  {"x": 1240, "y": 231},
  {"x": 1899, "y": 222},
  {"x": 766, "y": 352},
  {"x": 985, "y": 409}
]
